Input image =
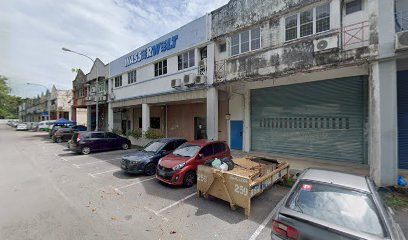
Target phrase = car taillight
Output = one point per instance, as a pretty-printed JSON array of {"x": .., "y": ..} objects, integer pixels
[
  {"x": 78, "y": 137},
  {"x": 284, "y": 230}
]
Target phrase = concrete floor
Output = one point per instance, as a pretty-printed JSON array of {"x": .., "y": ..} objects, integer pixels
[{"x": 50, "y": 193}]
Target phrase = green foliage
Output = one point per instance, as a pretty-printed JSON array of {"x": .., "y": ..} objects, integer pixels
[
  {"x": 134, "y": 133},
  {"x": 117, "y": 131},
  {"x": 8, "y": 104},
  {"x": 153, "y": 134}
]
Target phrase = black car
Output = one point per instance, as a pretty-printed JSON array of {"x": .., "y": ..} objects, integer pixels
[
  {"x": 87, "y": 142},
  {"x": 145, "y": 161}
]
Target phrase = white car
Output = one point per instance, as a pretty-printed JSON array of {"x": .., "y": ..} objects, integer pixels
[
  {"x": 44, "y": 125},
  {"x": 22, "y": 127}
]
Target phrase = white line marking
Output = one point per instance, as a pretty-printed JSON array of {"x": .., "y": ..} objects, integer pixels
[
  {"x": 174, "y": 204},
  {"x": 99, "y": 161},
  {"x": 99, "y": 173},
  {"x": 63, "y": 159},
  {"x": 262, "y": 226},
  {"x": 132, "y": 184},
  {"x": 155, "y": 213}
]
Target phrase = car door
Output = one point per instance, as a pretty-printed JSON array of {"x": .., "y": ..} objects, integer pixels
[
  {"x": 98, "y": 141},
  {"x": 113, "y": 141},
  {"x": 207, "y": 153}
]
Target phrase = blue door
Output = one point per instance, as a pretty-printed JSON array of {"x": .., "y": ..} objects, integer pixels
[
  {"x": 237, "y": 128},
  {"x": 402, "y": 78}
]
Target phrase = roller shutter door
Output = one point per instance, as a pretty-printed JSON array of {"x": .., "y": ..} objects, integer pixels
[
  {"x": 403, "y": 119},
  {"x": 318, "y": 120}
]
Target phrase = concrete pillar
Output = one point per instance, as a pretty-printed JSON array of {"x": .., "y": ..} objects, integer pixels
[
  {"x": 89, "y": 118},
  {"x": 247, "y": 121},
  {"x": 131, "y": 110},
  {"x": 212, "y": 113},
  {"x": 73, "y": 114},
  {"x": 110, "y": 117},
  {"x": 145, "y": 117},
  {"x": 383, "y": 137}
]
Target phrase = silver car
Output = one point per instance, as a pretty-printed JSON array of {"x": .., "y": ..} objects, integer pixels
[{"x": 325, "y": 204}]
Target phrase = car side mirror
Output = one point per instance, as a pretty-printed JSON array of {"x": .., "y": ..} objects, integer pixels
[
  {"x": 200, "y": 156},
  {"x": 163, "y": 152}
]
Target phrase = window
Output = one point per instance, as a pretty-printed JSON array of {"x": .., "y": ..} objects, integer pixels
[
  {"x": 223, "y": 47},
  {"x": 160, "y": 68},
  {"x": 118, "y": 81},
  {"x": 111, "y": 135},
  {"x": 98, "y": 135},
  {"x": 132, "y": 77},
  {"x": 155, "y": 122},
  {"x": 207, "y": 150},
  {"x": 246, "y": 41},
  {"x": 186, "y": 60},
  {"x": 354, "y": 6},
  {"x": 303, "y": 24},
  {"x": 169, "y": 147},
  {"x": 219, "y": 148}
]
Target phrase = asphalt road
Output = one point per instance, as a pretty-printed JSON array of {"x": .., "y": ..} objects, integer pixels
[{"x": 49, "y": 193}]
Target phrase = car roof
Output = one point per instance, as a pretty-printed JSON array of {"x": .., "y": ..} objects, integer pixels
[
  {"x": 166, "y": 140},
  {"x": 336, "y": 177},
  {"x": 202, "y": 142}
]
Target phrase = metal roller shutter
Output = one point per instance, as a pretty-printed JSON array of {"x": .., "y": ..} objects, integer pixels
[
  {"x": 402, "y": 78},
  {"x": 320, "y": 120}
]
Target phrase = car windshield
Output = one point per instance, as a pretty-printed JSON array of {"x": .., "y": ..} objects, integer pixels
[
  {"x": 154, "y": 146},
  {"x": 337, "y": 205},
  {"x": 186, "y": 150}
]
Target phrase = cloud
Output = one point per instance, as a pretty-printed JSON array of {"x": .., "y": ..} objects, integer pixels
[{"x": 32, "y": 34}]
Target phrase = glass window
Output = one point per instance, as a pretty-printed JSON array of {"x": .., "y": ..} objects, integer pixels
[
  {"x": 256, "y": 38},
  {"x": 291, "y": 27},
  {"x": 186, "y": 60},
  {"x": 154, "y": 146},
  {"x": 244, "y": 41},
  {"x": 169, "y": 147},
  {"x": 354, "y": 6},
  {"x": 111, "y": 135},
  {"x": 219, "y": 147},
  {"x": 118, "y": 81},
  {"x": 155, "y": 122},
  {"x": 337, "y": 205},
  {"x": 235, "y": 45},
  {"x": 186, "y": 150},
  {"x": 207, "y": 150},
  {"x": 323, "y": 18},
  {"x": 306, "y": 23},
  {"x": 132, "y": 77},
  {"x": 160, "y": 68},
  {"x": 223, "y": 47},
  {"x": 98, "y": 135},
  {"x": 191, "y": 57}
]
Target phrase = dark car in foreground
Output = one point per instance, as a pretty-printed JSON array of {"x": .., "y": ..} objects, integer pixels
[
  {"x": 87, "y": 142},
  {"x": 325, "y": 204},
  {"x": 179, "y": 167},
  {"x": 145, "y": 161},
  {"x": 63, "y": 135}
]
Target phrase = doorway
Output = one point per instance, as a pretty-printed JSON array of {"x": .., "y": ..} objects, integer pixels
[{"x": 200, "y": 128}]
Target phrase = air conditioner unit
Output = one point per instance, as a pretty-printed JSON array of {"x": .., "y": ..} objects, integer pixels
[
  {"x": 401, "y": 41},
  {"x": 175, "y": 83},
  {"x": 200, "y": 79},
  {"x": 111, "y": 96},
  {"x": 327, "y": 43},
  {"x": 189, "y": 79},
  {"x": 93, "y": 89}
]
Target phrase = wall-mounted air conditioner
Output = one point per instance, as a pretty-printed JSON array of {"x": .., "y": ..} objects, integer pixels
[
  {"x": 327, "y": 43},
  {"x": 401, "y": 41},
  {"x": 189, "y": 79},
  {"x": 200, "y": 79},
  {"x": 111, "y": 96},
  {"x": 175, "y": 83}
]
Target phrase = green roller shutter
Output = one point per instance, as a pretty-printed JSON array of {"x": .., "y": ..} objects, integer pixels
[{"x": 320, "y": 120}]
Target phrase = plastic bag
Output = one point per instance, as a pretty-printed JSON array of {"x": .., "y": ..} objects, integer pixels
[
  {"x": 401, "y": 181},
  {"x": 224, "y": 167},
  {"x": 216, "y": 163}
]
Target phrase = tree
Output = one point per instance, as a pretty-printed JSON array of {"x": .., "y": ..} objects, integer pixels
[{"x": 8, "y": 103}]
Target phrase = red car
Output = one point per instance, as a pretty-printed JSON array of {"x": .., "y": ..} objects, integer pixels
[{"x": 179, "y": 167}]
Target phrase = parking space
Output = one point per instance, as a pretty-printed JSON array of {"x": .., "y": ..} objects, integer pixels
[{"x": 97, "y": 184}]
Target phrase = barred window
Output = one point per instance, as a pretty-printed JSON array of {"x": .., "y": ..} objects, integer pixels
[
  {"x": 244, "y": 41},
  {"x": 306, "y": 23},
  {"x": 235, "y": 45},
  {"x": 291, "y": 27},
  {"x": 354, "y": 6},
  {"x": 323, "y": 18}
]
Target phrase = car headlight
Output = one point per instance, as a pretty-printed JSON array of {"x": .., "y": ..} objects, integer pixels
[{"x": 179, "y": 166}]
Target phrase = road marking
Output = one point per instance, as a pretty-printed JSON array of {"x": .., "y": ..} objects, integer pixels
[
  {"x": 132, "y": 184},
  {"x": 174, "y": 204},
  {"x": 262, "y": 226},
  {"x": 99, "y": 173},
  {"x": 63, "y": 159},
  {"x": 99, "y": 161}
]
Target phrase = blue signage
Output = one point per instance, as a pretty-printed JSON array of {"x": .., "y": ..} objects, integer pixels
[{"x": 152, "y": 51}]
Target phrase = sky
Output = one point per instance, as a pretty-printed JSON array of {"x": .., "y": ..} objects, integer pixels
[{"x": 33, "y": 32}]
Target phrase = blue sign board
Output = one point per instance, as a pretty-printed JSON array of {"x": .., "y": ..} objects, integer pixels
[
  {"x": 45, "y": 114},
  {"x": 152, "y": 51}
]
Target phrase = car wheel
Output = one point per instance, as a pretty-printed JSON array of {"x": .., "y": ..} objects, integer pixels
[
  {"x": 150, "y": 169},
  {"x": 189, "y": 179},
  {"x": 58, "y": 140},
  {"x": 86, "y": 150},
  {"x": 125, "y": 146}
]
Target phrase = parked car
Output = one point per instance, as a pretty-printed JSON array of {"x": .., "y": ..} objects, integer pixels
[
  {"x": 63, "y": 134},
  {"x": 145, "y": 161},
  {"x": 179, "y": 167},
  {"x": 22, "y": 127},
  {"x": 325, "y": 204},
  {"x": 87, "y": 142},
  {"x": 14, "y": 124},
  {"x": 78, "y": 127},
  {"x": 43, "y": 125}
]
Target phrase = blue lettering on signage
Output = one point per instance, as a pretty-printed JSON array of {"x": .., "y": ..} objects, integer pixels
[{"x": 152, "y": 51}]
